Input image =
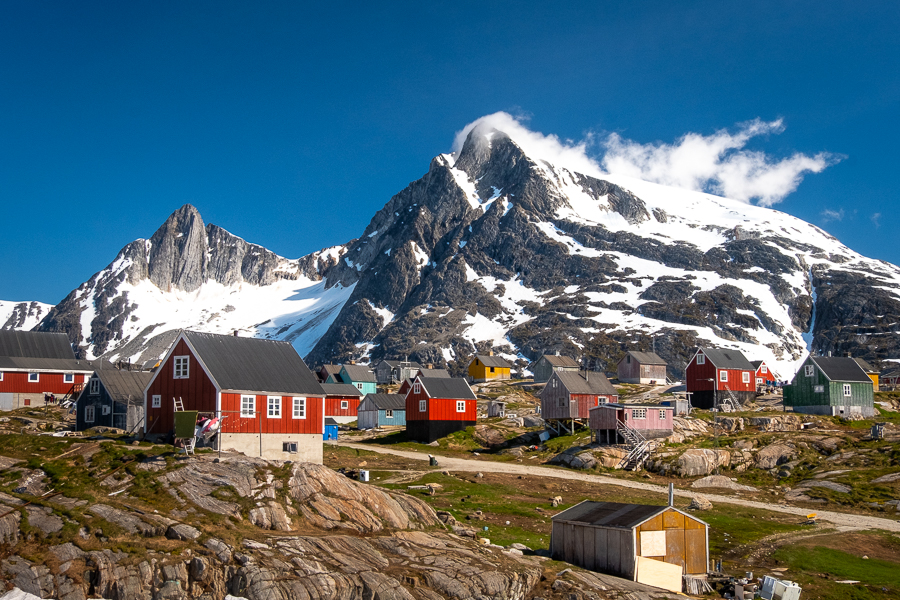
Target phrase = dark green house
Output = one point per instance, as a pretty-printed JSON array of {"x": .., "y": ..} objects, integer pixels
[{"x": 834, "y": 386}]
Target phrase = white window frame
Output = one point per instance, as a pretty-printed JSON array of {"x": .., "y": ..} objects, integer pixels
[
  {"x": 848, "y": 390},
  {"x": 723, "y": 376},
  {"x": 745, "y": 376},
  {"x": 248, "y": 406},
  {"x": 359, "y": 386},
  {"x": 273, "y": 404},
  {"x": 819, "y": 389},
  {"x": 701, "y": 359},
  {"x": 638, "y": 413},
  {"x": 156, "y": 401},
  {"x": 94, "y": 388},
  {"x": 67, "y": 378},
  {"x": 461, "y": 406},
  {"x": 1, "y": 375},
  {"x": 345, "y": 404},
  {"x": 423, "y": 406},
  {"x": 763, "y": 369},
  {"x": 36, "y": 376},
  {"x": 417, "y": 388},
  {"x": 89, "y": 414},
  {"x": 809, "y": 370},
  {"x": 104, "y": 410},
  {"x": 298, "y": 407},
  {"x": 290, "y": 447},
  {"x": 388, "y": 414},
  {"x": 181, "y": 367},
  {"x": 662, "y": 414}
]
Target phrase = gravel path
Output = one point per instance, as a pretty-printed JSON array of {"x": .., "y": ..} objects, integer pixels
[{"x": 844, "y": 521}]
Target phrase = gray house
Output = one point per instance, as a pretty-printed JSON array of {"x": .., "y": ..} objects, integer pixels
[
  {"x": 544, "y": 367},
  {"x": 641, "y": 367},
  {"x": 382, "y": 410},
  {"x": 395, "y": 371},
  {"x": 112, "y": 398}
]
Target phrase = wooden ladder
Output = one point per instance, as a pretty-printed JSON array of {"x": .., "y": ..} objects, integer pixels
[{"x": 179, "y": 404}]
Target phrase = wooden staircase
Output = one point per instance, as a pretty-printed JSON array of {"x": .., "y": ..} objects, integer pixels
[{"x": 638, "y": 447}]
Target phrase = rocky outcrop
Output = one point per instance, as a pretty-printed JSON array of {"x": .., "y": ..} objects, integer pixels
[
  {"x": 720, "y": 481},
  {"x": 701, "y": 461},
  {"x": 779, "y": 423},
  {"x": 774, "y": 455}
]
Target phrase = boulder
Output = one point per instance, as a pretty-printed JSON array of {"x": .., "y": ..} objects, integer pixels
[
  {"x": 182, "y": 531},
  {"x": 271, "y": 515},
  {"x": 775, "y": 454},
  {"x": 700, "y": 503},
  {"x": 610, "y": 457},
  {"x": 720, "y": 481},
  {"x": 744, "y": 444},
  {"x": 42, "y": 518},
  {"x": 779, "y": 423},
  {"x": 488, "y": 436},
  {"x": 130, "y": 522},
  {"x": 828, "y": 445},
  {"x": 889, "y": 478},
  {"x": 701, "y": 461},
  {"x": 532, "y": 421},
  {"x": 730, "y": 424}
]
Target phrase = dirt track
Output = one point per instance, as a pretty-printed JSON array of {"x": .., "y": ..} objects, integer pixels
[{"x": 843, "y": 521}]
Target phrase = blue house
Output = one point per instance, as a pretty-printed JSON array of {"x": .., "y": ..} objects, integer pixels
[
  {"x": 359, "y": 376},
  {"x": 382, "y": 410},
  {"x": 331, "y": 429}
]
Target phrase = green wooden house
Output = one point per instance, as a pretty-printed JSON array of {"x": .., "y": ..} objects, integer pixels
[{"x": 835, "y": 386}]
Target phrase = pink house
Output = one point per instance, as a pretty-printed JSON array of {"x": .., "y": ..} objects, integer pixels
[{"x": 651, "y": 420}]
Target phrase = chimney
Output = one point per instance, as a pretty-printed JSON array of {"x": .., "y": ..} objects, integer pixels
[
  {"x": 352, "y": 362},
  {"x": 557, "y": 353},
  {"x": 829, "y": 354},
  {"x": 671, "y": 494},
  {"x": 235, "y": 333},
  {"x": 429, "y": 366},
  {"x": 490, "y": 352}
]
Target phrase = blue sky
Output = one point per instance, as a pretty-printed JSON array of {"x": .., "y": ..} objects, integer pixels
[{"x": 290, "y": 125}]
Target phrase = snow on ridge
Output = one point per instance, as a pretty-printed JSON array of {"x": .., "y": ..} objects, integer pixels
[{"x": 33, "y": 318}]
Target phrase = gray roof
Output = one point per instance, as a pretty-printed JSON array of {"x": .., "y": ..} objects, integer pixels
[
  {"x": 442, "y": 373},
  {"x": 35, "y": 344},
  {"x": 254, "y": 365},
  {"x": 387, "y": 401},
  {"x": 334, "y": 370},
  {"x": 124, "y": 386},
  {"x": 575, "y": 382},
  {"x": 25, "y": 363},
  {"x": 646, "y": 358},
  {"x": 865, "y": 366},
  {"x": 330, "y": 421},
  {"x": 561, "y": 361},
  {"x": 727, "y": 359},
  {"x": 454, "y": 388},
  {"x": 402, "y": 363},
  {"x": 840, "y": 368},
  {"x": 493, "y": 361},
  {"x": 340, "y": 389},
  {"x": 612, "y": 514},
  {"x": 359, "y": 373}
]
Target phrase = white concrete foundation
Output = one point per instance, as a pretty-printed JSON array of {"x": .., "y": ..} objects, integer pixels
[
  {"x": 309, "y": 445},
  {"x": 341, "y": 420}
]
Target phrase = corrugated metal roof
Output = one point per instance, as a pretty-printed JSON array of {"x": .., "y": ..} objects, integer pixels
[
  {"x": 727, "y": 359},
  {"x": 35, "y": 344},
  {"x": 387, "y": 401},
  {"x": 402, "y": 363},
  {"x": 610, "y": 514},
  {"x": 21, "y": 363},
  {"x": 359, "y": 373},
  {"x": 493, "y": 361},
  {"x": 330, "y": 421},
  {"x": 841, "y": 368},
  {"x": 125, "y": 386},
  {"x": 333, "y": 370},
  {"x": 454, "y": 388},
  {"x": 865, "y": 366},
  {"x": 596, "y": 383},
  {"x": 431, "y": 373},
  {"x": 561, "y": 361},
  {"x": 340, "y": 389},
  {"x": 254, "y": 365},
  {"x": 646, "y": 358}
]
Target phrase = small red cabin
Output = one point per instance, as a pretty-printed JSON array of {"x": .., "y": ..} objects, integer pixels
[
  {"x": 438, "y": 406},
  {"x": 714, "y": 376},
  {"x": 764, "y": 375},
  {"x": 341, "y": 401},
  {"x": 270, "y": 403}
]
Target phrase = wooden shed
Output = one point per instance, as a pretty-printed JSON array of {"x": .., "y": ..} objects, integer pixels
[
  {"x": 568, "y": 397},
  {"x": 835, "y": 386},
  {"x": 544, "y": 367},
  {"x": 641, "y": 367},
  {"x": 488, "y": 368},
  {"x": 630, "y": 540}
]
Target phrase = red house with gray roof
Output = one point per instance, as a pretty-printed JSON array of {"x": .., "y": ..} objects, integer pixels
[
  {"x": 715, "y": 376},
  {"x": 438, "y": 406}
]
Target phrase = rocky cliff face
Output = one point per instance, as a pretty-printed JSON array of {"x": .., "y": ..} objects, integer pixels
[{"x": 496, "y": 249}]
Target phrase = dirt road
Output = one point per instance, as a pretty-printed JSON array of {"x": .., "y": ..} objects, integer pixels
[{"x": 843, "y": 521}]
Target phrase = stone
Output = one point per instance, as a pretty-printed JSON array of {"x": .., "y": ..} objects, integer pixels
[
  {"x": 181, "y": 531},
  {"x": 889, "y": 478},
  {"x": 700, "y": 503},
  {"x": 42, "y": 518},
  {"x": 779, "y": 423},
  {"x": 774, "y": 455},
  {"x": 746, "y": 444},
  {"x": 130, "y": 522},
  {"x": 730, "y": 424},
  {"x": 720, "y": 481},
  {"x": 532, "y": 421},
  {"x": 488, "y": 437},
  {"x": 701, "y": 461},
  {"x": 271, "y": 515}
]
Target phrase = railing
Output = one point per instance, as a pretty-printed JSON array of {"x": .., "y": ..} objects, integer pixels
[
  {"x": 639, "y": 447},
  {"x": 731, "y": 403}
]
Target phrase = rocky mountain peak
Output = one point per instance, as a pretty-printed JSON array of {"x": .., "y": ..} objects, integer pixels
[{"x": 177, "y": 256}]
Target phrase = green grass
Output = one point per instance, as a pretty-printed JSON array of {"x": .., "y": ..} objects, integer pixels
[
  {"x": 743, "y": 526},
  {"x": 840, "y": 566}
]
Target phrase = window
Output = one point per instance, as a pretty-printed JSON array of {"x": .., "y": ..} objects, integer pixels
[
  {"x": 34, "y": 377},
  {"x": 554, "y": 383},
  {"x": 289, "y": 447},
  {"x": 104, "y": 410},
  {"x": 723, "y": 375},
  {"x": 182, "y": 367},
  {"x": 388, "y": 414},
  {"x": 847, "y": 390},
  {"x": 662, "y": 414},
  {"x": 27, "y": 401},
  {"x": 628, "y": 359},
  {"x": 359, "y": 386},
  {"x": 156, "y": 401},
  {"x": 88, "y": 414},
  {"x": 701, "y": 359},
  {"x": 274, "y": 407},
  {"x": 1, "y": 376},
  {"x": 345, "y": 404},
  {"x": 299, "y": 408},
  {"x": 423, "y": 406},
  {"x": 809, "y": 370},
  {"x": 95, "y": 387},
  {"x": 460, "y": 406},
  {"x": 819, "y": 389},
  {"x": 417, "y": 388},
  {"x": 68, "y": 377},
  {"x": 745, "y": 376},
  {"x": 638, "y": 413},
  {"x": 248, "y": 406},
  {"x": 763, "y": 369},
  {"x": 492, "y": 369}
]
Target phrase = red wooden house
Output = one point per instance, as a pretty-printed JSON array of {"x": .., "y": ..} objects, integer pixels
[
  {"x": 35, "y": 364},
  {"x": 341, "y": 401},
  {"x": 764, "y": 375},
  {"x": 270, "y": 403},
  {"x": 568, "y": 397},
  {"x": 438, "y": 406},
  {"x": 714, "y": 376}
]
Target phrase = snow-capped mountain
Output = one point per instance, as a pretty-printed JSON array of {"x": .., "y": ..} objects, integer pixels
[
  {"x": 22, "y": 315},
  {"x": 496, "y": 247}
]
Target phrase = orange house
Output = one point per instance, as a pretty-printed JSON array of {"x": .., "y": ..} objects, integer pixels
[{"x": 488, "y": 368}]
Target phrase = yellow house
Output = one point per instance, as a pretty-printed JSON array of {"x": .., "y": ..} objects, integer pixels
[
  {"x": 870, "y": 371},
  {"x": 488, "y": 368}
]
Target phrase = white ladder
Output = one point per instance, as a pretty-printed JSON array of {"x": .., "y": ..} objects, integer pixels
[
  {"x": 179, "y": 404},
  {"x": 190, "y": 442}
]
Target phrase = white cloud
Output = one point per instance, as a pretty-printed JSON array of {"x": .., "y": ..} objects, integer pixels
[
  {"x": 876, "y": 219},
  {"x": 832, "y": 215},
  {"x": 716, "y": 163}
]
